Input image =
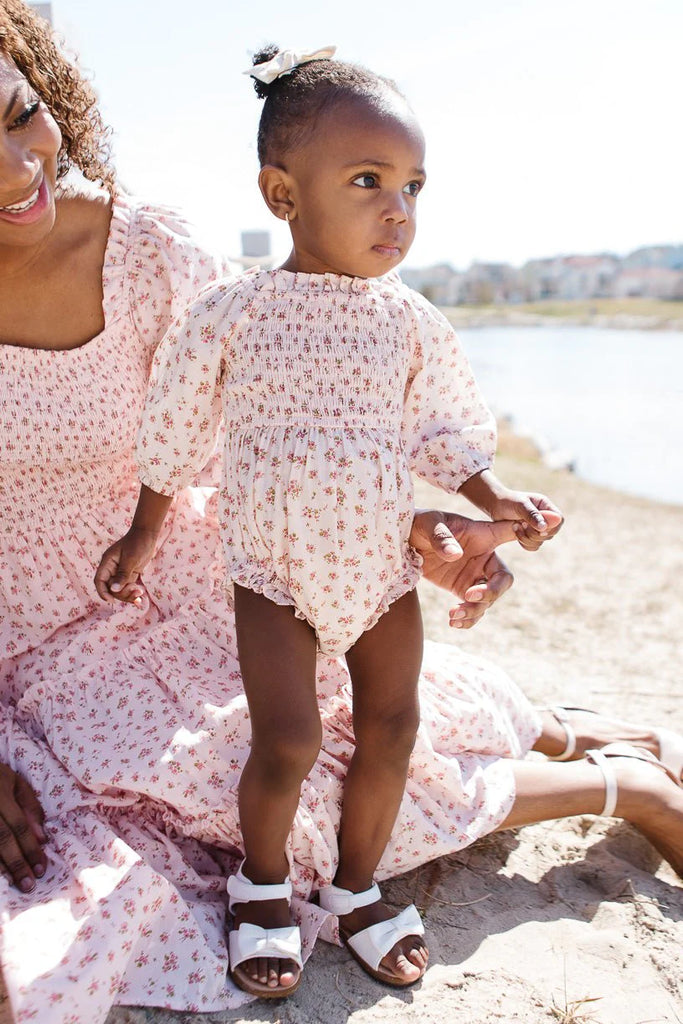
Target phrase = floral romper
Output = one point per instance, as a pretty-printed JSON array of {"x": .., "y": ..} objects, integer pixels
[{"x": 332, "y": 389}]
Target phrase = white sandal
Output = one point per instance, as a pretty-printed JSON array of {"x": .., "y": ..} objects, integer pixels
[
  {"x": 559, "y": 713},
  {"x": 601, "y": 759},
  {"x": 370, "y": 945},
  {"x": 670, "y": 742},
  {"x": 250, "y": 941}
]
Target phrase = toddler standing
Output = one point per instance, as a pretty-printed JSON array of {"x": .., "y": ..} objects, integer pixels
[{"x": 334, "y": 382}]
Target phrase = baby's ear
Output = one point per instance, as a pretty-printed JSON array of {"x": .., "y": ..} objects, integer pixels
[{"x": 275, "y": 185}]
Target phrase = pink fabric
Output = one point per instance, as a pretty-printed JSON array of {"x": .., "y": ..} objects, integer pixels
[{"x": 132, "y": 726}]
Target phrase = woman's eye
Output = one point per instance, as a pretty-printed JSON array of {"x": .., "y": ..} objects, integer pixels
[
  {"x": 25, "y": 116},
  {"x": 412, "y": 188},
  {"x": 366, "y": 181}
]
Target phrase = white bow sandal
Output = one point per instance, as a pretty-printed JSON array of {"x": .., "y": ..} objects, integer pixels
[
  {"x": 369, "y": 946},
  {"x": 250, "y": 941}
]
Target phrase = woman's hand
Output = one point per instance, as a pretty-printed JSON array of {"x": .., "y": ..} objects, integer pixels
[
  {"x": 118, "y": 575},
  {"x": 21, "y": 831},
  {"x": 459, "y": 555}
]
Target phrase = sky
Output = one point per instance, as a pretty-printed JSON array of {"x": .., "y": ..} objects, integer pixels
[{"x": 551, "y": 127}]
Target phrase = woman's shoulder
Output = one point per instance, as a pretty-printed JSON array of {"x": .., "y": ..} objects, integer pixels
[{"x": 155, "y": 230}]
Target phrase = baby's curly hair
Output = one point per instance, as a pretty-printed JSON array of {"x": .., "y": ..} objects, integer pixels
[
  {"x": 29, "y": 42},
  {"x": 295, "y": 100}
]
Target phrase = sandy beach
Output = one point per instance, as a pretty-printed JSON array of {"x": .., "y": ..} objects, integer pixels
[{"x": 573, "y": 921}]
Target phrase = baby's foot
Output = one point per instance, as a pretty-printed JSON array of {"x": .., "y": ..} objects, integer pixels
[
  {"x": 406, "y": 961},
  {"x": 265, "y": 948},
  {"x": 280, "y": 975}
]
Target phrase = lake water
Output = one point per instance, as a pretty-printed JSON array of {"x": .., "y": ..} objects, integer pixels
[{"x": 610, "y": 399}]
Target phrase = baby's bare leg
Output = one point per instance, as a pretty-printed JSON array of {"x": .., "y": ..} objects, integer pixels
[
  {"x": 385, "y": 666},
  {"x": 277, "y": 661}
]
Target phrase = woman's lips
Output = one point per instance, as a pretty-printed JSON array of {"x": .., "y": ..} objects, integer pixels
[{"x": 30, "y": 209}]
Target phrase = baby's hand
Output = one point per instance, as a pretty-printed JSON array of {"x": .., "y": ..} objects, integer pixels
[
  {"x": 118, "y": 575},
  {"x": 537, "y": 519}
]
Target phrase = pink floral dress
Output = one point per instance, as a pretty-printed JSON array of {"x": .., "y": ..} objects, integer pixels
[
  {"x": 314, "y": 376},
  {"x": 132, "y": 725}
]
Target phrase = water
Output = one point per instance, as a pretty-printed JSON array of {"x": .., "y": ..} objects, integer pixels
[{"x": 611, "y": 399}]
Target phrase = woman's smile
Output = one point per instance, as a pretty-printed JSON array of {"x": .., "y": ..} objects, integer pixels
[{"x": 30, "y": 209}]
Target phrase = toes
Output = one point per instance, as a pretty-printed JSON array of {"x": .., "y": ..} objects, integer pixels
[
  {"x": 407, "y": 964},
  {"x": 271, "y": 972},
  {"x": 419, "y": 956},
  {"x": 403, "y": 968}
]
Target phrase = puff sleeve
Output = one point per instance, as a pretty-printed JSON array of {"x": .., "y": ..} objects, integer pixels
[
  {"x": 183, "y": 408},
  {"x": 166, "y": 266},
  {"x": 448, "y": 430}
]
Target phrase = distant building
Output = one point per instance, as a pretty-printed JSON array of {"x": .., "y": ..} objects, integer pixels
[
  {"x": 652, "y": 272},
  {"x": 255, "y": 250}
]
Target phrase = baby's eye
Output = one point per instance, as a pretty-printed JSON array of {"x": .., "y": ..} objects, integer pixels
[
  {"x": 412, "y": 188},
  {"x": 366, "y": 181},
  {"x": 25, "y": 116}
]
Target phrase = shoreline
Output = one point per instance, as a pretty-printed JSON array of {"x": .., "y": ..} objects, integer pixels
[{"x": 584, "y": 315}]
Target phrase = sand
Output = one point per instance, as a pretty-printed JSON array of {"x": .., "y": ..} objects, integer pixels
[{"x": 565, "y": 921}]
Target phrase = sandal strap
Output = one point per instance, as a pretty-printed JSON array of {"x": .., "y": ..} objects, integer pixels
[
  {"x": 611, "y": 789},
  {"x": 250, "y": 941},
  {"x": 562, "y": 718},
  {"x": 372, "y": 944},
  {"x": 242, "y": 890},
  {"x": 339, "y": 901}
]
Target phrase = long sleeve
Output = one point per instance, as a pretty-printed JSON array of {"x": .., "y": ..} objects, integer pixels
[
  {"x": 183, "y": 408},
  {"x": 448, "y": 430}
]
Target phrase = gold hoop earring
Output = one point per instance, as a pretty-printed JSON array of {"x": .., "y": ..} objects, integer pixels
[{"x": 287, "y": 217}]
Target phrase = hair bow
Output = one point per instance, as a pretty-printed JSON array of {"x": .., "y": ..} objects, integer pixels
[{"x": 287, "y": 60}]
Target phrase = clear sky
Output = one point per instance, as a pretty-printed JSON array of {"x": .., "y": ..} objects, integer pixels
[{"x": 551, "y": 126}]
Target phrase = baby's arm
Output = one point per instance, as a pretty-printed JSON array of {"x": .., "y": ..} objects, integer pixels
[
  {"x": 117, "y": 577},
  {"x": 450, "y": 434},
  {"x": 537, "y": 518}
]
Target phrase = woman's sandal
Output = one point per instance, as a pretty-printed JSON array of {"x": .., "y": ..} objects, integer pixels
[
  {"x": 561, "y": 715},
  {"x": 369, "y": 946},
  {"x": 601, "y": 759},
  {"x": 670, "y": 743},
  {"x": 250, "y": 941}
]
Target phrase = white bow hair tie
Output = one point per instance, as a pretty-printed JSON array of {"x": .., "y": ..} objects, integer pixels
[{"x": 287, "y": 60}]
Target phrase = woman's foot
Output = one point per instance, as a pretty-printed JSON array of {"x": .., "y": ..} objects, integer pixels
[
  {"x": 649, "y": 799},
  {"x": 573, "y": 731},
  {"x": 406, "y": 961}
]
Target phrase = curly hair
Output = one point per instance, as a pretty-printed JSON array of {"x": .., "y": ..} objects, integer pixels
[
  {"x": 30, "y": 44},
  {"x": 297, "y": 99}
]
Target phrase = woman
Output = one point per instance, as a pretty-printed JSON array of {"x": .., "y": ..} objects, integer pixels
[{"x": 123, "y": 732}]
